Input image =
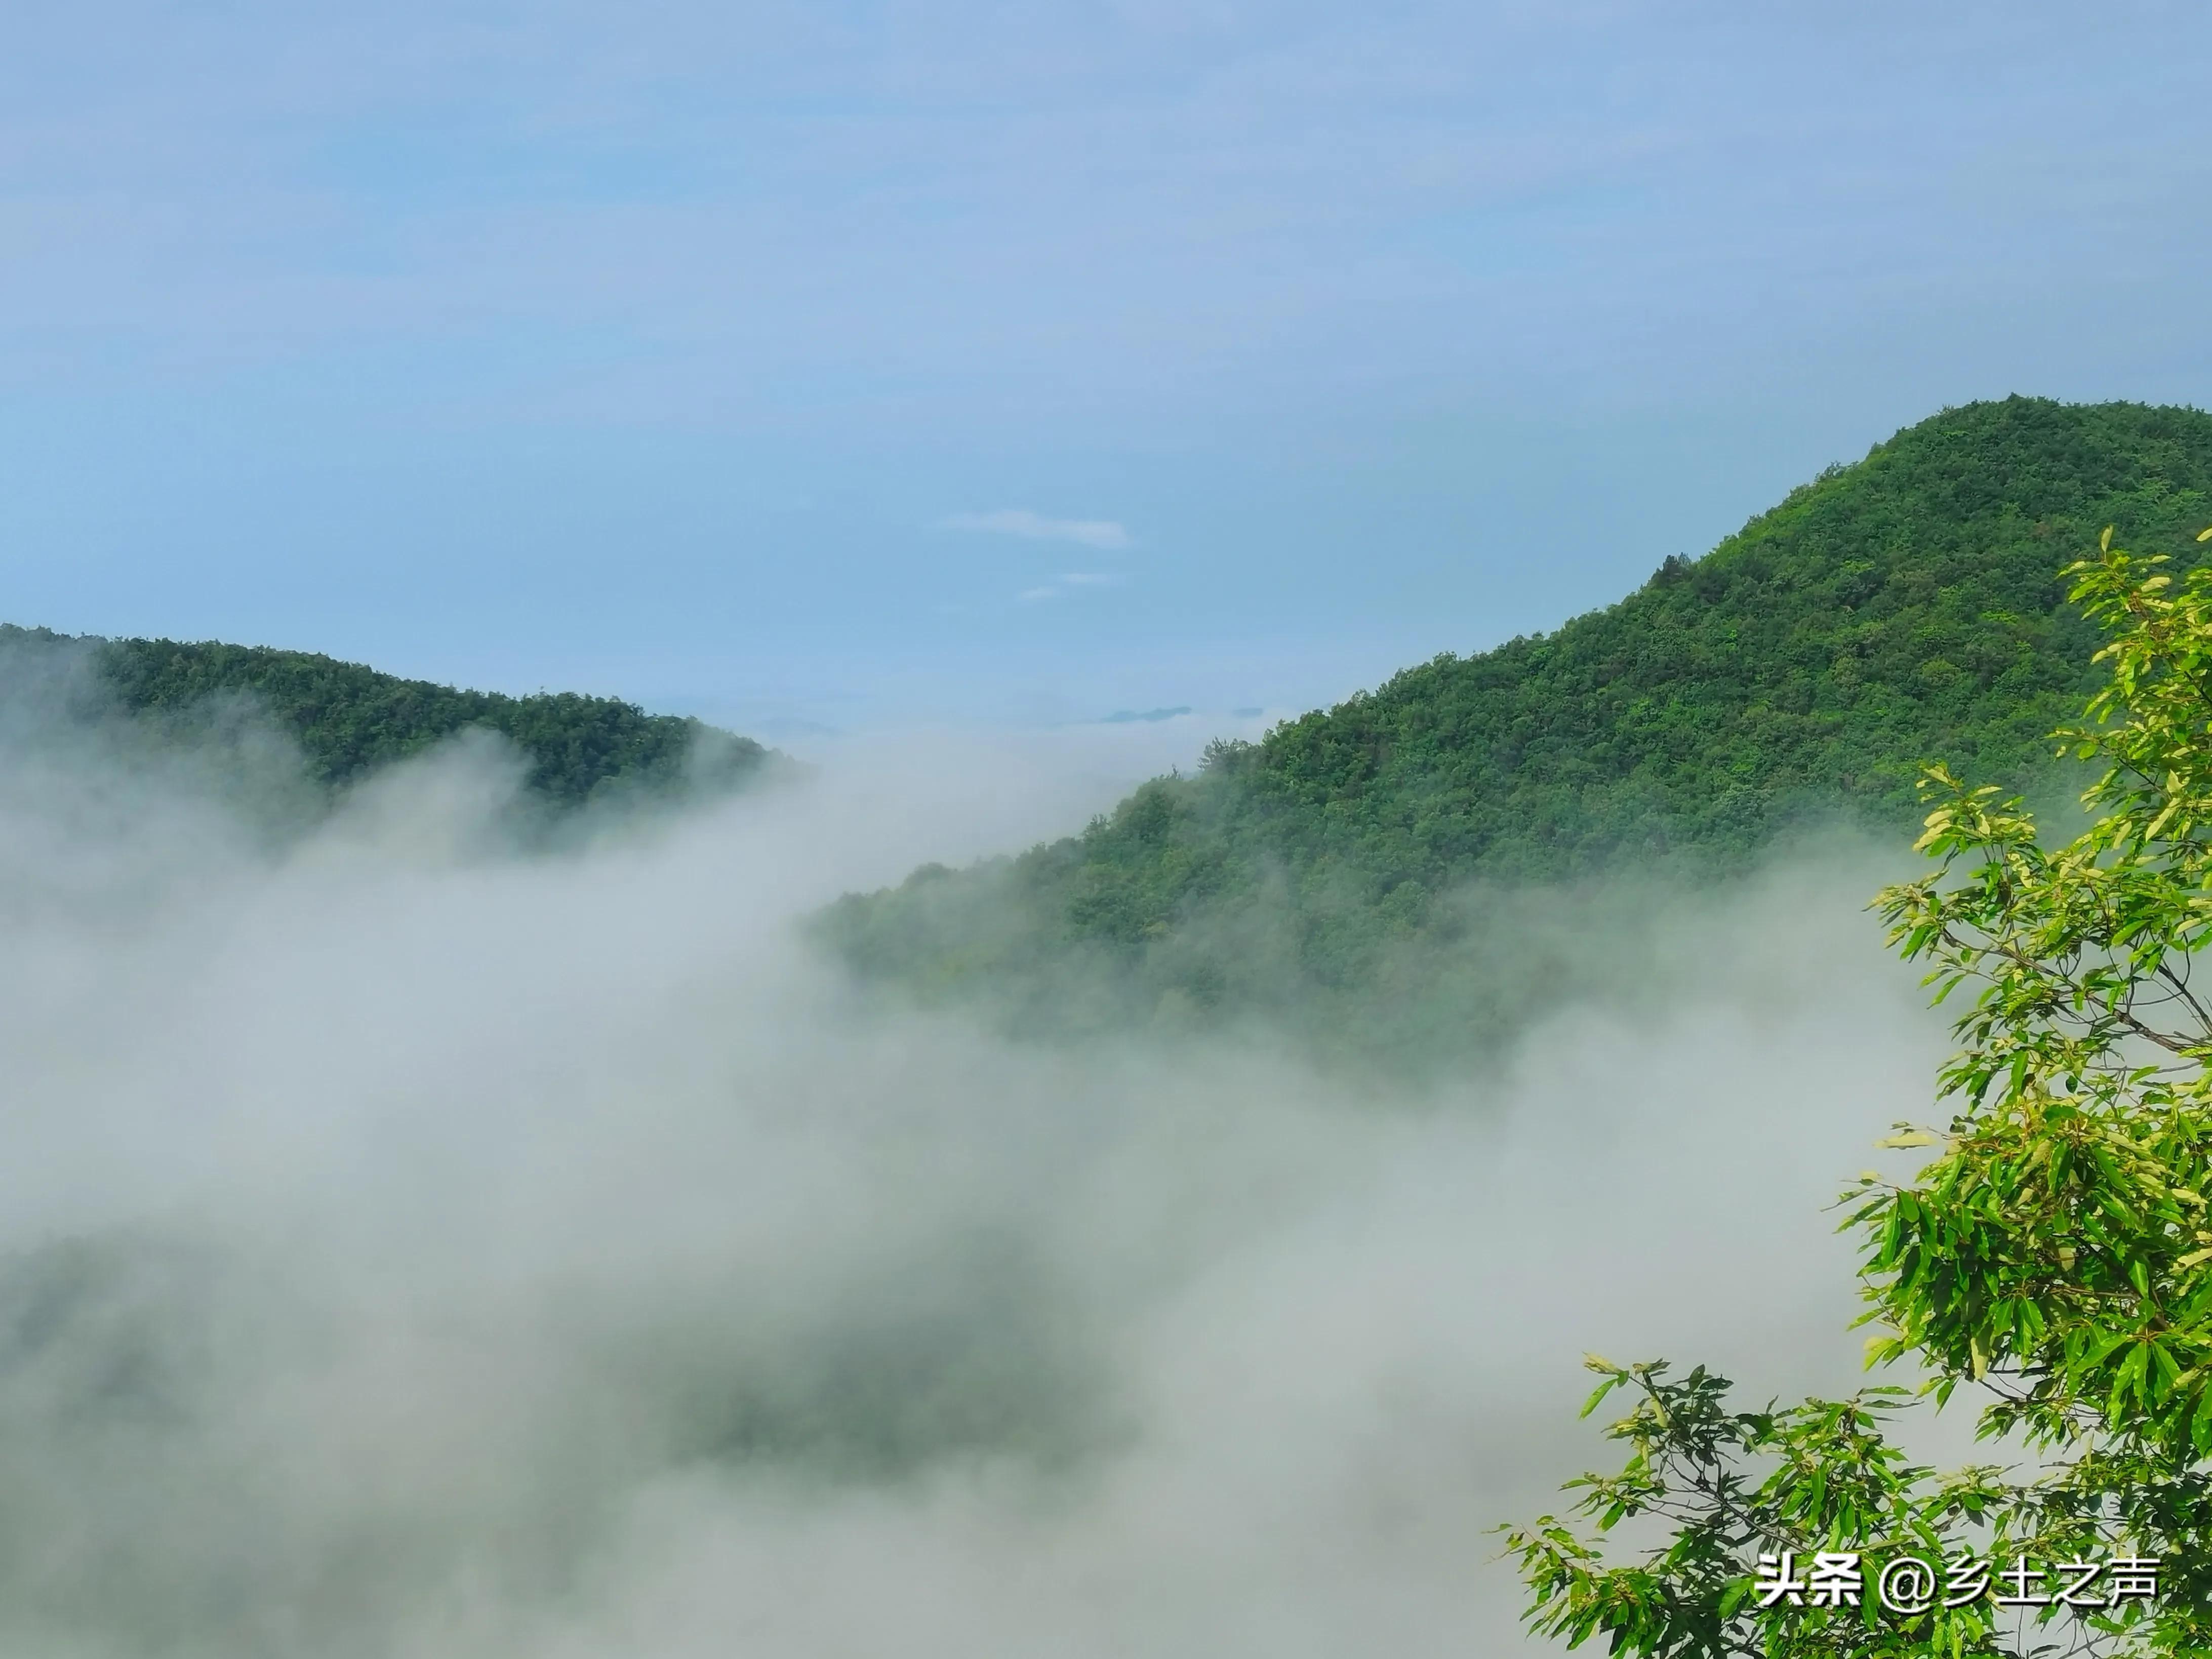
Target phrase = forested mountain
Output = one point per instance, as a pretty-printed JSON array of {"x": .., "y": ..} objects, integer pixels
[
  {"x": 1899, "y": 610},
  {"x": 349, "y": 719}
]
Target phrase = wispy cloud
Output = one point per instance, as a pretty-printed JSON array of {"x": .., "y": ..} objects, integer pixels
[
  {"x": 1020, "y": 521},
  {"x": 1074, "y": 581}
]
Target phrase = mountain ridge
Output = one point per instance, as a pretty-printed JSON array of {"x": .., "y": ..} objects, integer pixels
[
  {"x": 350, "y": 719},
  {"x": 1901, "y": 608}
]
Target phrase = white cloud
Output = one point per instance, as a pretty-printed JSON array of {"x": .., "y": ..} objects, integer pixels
[
  {"x": 1070, "y": 583},
  {"x": 1020, "y": 521}
]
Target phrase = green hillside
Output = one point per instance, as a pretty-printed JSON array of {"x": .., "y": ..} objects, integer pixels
[
  {"x": 349, "y": 719},
  {"x": 1898, "y": 610}
]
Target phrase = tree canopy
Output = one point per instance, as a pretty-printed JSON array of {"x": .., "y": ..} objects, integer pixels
[{"x": 2054, "y": 1258}]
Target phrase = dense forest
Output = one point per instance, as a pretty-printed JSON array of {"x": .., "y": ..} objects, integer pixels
[
  {"x": 1898, "y": 610},
  {"x": 348, "y": 719}
]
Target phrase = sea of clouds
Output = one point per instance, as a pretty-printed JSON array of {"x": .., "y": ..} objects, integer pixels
[{"x": 411, "y": 1245}]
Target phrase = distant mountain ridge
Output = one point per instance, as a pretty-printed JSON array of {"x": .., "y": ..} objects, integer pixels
[
  {"x": 1904, "y": 608},
  {"x": 349, "y": 719}
]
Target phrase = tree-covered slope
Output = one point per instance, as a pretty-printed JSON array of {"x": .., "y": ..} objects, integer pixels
[
  {"x": 1892, "y": 612},
  {"x": 348, "y": 719}
]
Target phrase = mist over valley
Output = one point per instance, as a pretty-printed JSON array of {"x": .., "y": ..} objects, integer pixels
[
  {"x": 440, "y": 1223},
  {"x": 1273, "y": 830}
]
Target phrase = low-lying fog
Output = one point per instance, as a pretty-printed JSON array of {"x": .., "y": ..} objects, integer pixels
[{"x": 411, "y": 1248}]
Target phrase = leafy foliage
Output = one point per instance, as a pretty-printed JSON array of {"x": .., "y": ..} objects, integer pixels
[
  {"x": 349, "y": 719},
  {"x": 1890, "y": 611},
  {"x": 2056, "y": 1256}
]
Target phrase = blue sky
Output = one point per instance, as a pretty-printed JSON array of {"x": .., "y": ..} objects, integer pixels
[{"x": 1015, "y": 363}]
